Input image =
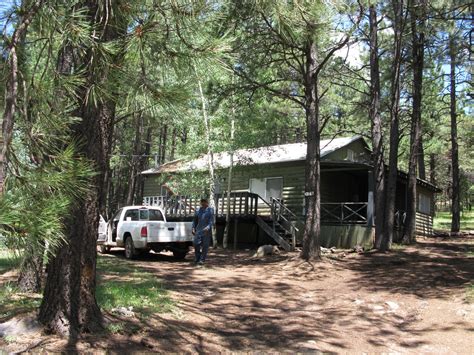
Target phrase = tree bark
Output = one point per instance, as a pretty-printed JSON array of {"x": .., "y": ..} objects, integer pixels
[
  {"x": 433, "y": 168},
  {"x": 421, "y": 160},
  {"x": 173, "y": 144},
  {"x": 135, "y": 160},
  {"x": 225, "y": 238},
  {"x": 210, "y": 161},
  {"x": 144, "y": 163},
  {"x": 312, "y": 229},
  {"x": 455, "y": 202},
  {"x": 69, "y": 305},
  {"x": 164, "y": 138},
  {"x": 31, "y": 271},
  {"x": 377, "y": 129},
  {"x": 418, "y": 48},
  {"x": 391, "y": 192}
]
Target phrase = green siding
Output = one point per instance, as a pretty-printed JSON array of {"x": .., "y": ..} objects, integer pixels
[
  {"x": 152, "y": 185},
  {"x": 337, "y": 186},
  {"x": 347, "y": 236},
  {"x": 358, "y": 147},
  {"x": 293, "y": 180}
]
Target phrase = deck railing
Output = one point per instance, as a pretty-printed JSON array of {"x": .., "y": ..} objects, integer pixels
[
  {"x": 241, "y": 204},
  {"x": 344, "y": 212},
  {"x": 250, "y": 204}
]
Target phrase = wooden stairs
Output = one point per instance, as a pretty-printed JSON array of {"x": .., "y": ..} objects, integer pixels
[
  {"x": 274, "y": 218},
  {"x": 276, "y": 232},
  {"x": 280, "y": 225}
]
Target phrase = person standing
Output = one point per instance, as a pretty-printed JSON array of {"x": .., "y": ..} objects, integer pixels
[{"x": 202, "y": 231}]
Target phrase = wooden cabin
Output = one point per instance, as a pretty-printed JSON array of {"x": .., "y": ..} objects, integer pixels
[{"x": 267, "y": 201}]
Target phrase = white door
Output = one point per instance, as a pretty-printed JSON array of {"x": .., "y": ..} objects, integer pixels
[
  {"x": 274, "y": 187},
  {"x": 258, "y": 186},
  {"x": 267, "y": 188},
  {"x": 102, "y": 229}
]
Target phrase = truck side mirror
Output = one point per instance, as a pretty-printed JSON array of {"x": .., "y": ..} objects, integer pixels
[{"x": 129, "y": 219}]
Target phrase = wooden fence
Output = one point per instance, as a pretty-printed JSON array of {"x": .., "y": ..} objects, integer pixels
[{"x": 344, "y": 212}]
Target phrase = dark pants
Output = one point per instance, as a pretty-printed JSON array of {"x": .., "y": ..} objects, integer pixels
[{"x": 201, "y": 246}]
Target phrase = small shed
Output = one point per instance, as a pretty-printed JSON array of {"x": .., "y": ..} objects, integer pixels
[{"x": 268, "y": 183}]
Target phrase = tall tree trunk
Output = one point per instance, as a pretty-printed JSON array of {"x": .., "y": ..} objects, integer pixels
[
  {"x": 391, "y": 192},
  {"x": 184, "y": 136},
  {"x": 135, "y": 160},
  {"x": 455, "y": 203},
  {"x": 173, "y": 144},
  {"x": 210, "y": 160},
  {"x": 312, "y": 229},
  {"x": 418, "y": 48},
  {"x": 164, "y": 138},
  {"x": 69, "y": 305},
  {"x": 421, "y": 160},
  {"x": 377, "y": 129},
  {"x": 225, "y": 238},
  {"x": 433, "y": 168},
  {"x": 31, "y": 271},
  {"x": 11, "y": 90},
  {"x": 144, "y": 162}
]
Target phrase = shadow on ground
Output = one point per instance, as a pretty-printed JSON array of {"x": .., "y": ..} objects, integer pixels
[{"x": 430, "y": 269}]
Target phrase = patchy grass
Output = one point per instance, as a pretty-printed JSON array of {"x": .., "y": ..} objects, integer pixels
[
  {"x": 442, "y": 220},
  {"x": 116, "y": 328},
  {"x": 8, "y": 260},
  {"x": 398, "y": 246},
  {"x": 122, "y": 284},
  {"x": 9, "y": 339},
  {"x": 13, "y": 302},
  {"x": 470, "y": 293}
]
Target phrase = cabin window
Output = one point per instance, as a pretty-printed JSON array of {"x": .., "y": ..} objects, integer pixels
[
  {"x": 267, "y": 188},
  {"x": 424, "y": 203}
]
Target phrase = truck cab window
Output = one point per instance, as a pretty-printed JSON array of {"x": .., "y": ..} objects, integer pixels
[
  {"x": 155, "y": 215},
  {"x": 133, "y": 214},
  {"x": 151, "y": 215}
]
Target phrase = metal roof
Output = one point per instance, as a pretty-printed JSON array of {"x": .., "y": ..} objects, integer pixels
[{"x": 254, "y": 156}]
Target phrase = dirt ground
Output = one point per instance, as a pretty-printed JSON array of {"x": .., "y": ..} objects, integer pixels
[{"x": 411, "y": 300}]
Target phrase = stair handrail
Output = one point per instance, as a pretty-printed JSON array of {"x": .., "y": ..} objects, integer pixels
[
  {"x": 280, "y": 205},
  {"x": 277, "y": 208}
]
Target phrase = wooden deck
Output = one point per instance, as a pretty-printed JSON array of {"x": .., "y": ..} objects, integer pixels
[
  {"x": 274, "y": 218},
  {"x": 242, "y": 204},
  {"x": 247, "y": 204}
]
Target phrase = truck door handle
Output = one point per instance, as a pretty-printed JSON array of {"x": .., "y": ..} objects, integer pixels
[{"x": 171, "y": 228}]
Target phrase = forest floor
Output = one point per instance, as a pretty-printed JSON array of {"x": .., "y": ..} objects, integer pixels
[
  {"x": 442, "y": 221},
  {"x": 416, "y": 299}
]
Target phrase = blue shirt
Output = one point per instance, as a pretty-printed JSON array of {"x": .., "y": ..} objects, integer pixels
[{"x": 203, "y": 221}]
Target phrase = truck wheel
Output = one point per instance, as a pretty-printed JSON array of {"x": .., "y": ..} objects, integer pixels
[
  {"x": 130, "y": 252},
  {"x": 179, "y": 254}
]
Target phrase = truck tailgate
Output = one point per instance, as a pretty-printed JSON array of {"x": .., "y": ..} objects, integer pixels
[{"x": 169, "y": 232}]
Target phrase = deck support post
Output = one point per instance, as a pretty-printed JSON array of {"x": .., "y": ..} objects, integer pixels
[
  {"x": 370, "y": 199},
  {"x": 236, "y": 222}
]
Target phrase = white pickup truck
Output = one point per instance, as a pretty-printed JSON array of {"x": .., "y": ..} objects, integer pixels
[{"x": 140, "y": 229}]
